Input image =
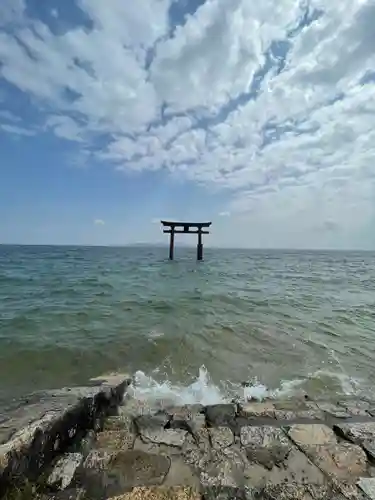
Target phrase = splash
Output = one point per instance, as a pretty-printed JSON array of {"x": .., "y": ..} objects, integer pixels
[{"x": 203, "y": 390}]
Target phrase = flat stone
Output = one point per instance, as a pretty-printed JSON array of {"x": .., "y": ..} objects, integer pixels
[
  {"x": 68, "y": 494},
  {"x": 222, "y": 415},
  {"x": 168, "y": 437},
  {"x": 263, "y": 436},
  {"x": 311, "y": 434},
  {"x": 257, "y": 410},
  {"x": 367, "y": 485},
  {"x": 342, "y": 461},
  {"x": 161, "y": 493},
  {"x": 298, "y": 414},
  {"x": 180, "y": 474},
  {"x": 334, "y": 410},
  {"x": 272, "y": 456},
  {"x": 350, "y": 491},
  {"x": 189, "y": 417},
  {"x": 226, "y": 468},
  {"x": 296, "y": 468},
  {"x": 358, "y": 433},
  {"x": 115, "y": 440},
  {"x": 296, "y": 491},
  {"x": 197, "y": 451},
  {"x": 221, "y": 437},
  {"x": 155, "y": 421},
  {"x": 64, "y": 471},
  {"x": 119, "y": 423},
  {"x": 355, "y": 407},
  {"x": 228, "y": 493},
  {"x": 105, "y": 474}
]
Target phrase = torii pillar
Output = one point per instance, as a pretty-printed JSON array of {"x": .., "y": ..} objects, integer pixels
[{"x": 186, "y": 228}]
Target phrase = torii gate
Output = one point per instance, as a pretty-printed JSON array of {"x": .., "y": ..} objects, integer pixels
[{"x": 186, "y": 228}]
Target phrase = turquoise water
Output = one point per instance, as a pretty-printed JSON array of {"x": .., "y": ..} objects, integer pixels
[{"x": 287, "y": 321}]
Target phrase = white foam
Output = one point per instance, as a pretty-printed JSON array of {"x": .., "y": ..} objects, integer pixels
[{"x": 202, "y": 390}]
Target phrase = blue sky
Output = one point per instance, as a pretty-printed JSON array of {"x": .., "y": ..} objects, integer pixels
[{"x": 257, "y": 116}]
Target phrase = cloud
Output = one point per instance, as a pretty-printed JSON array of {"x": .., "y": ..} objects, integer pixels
[
  {"x": 272, "y": 103},
  {"x": 16, "y": 130},
  {"x": 99, "y": 222},
  {"x": 224, "y": 214}
]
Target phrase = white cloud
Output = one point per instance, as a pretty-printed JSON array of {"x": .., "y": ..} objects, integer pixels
[
  {"x": 224, "y": 214},
  {"x": 99, "y": 222},
  {"x": 243, "y": 98},
  {"x": 14, "y": 129}
]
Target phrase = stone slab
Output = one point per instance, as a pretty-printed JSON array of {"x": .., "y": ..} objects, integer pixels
[
  {"x": 263, "y": 436},
  {"x": 64, "y": 471},
  {"x": 343, "y": 461},
  {"x": 295, "y": 467},
  {"x": 162, "y": 493},
  {"x": 311, "y": 434},
  {"x": 296, "y": 491},
  {"x": 33, "y": 447},
  {"x": 222, "y": 415},
  {"x": 257, "y": 410},
  {"x": 109, "y": 474},
  {"x": 115, "y": 440},
  {"x": 367, "y": 485},
  {"x": 221, "y": 437}
]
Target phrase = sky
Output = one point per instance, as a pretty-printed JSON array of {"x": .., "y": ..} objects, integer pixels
[{"x": 257, "y": 116}]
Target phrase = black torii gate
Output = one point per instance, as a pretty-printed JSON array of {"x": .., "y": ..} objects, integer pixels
[{"x": 186, "y": 228}]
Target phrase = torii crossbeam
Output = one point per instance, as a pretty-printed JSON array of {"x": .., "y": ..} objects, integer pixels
[{"x": 186, "y": 228}]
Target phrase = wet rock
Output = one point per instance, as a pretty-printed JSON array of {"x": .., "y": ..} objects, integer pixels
[
  {"x": 272, "y": 456},
  {"x": 295, "y": 491},
  {"x": 146, "y": 422},
  {"x": 106, "y": 475},
  {"x": 119, "y": 423},
  {"x": 226, "y": 468},
  {"x": 333, "y": 410},
  {"x": 263, "y": 436},
  {"x": 228, "y": 493},
  {"x": 296, "y": 467},
  {"x": 115, "y": 440},
  {"x": 221, "y": 437},
  {"x": 189, "y": 418},
  {"x": 168, "y": 437},
  {"x": 222, "y": 415},
  {"x": 197, "y": 451},
  {"x": 367, "y": 485},
  {"x": 311, "y": 434},
  {"x": 355, "y": 407},
  {"x": 180, "y": 474},
  {"x": 256, "y": 410},
  {"x": 68, "y": 494},
  {"x": 357, "y": 433},
  {"x": 162, "y": 493},
  {"x": 342, "y": 461},
  {"x": 64, "y": 471}
]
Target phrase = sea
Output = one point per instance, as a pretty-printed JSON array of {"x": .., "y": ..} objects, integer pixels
[{"x": 241, "y": 324}]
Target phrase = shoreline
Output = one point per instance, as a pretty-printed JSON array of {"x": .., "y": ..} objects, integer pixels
[{"x": 97, "y": 442}]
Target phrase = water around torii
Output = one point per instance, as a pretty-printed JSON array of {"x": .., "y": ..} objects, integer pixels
[{"x": 286, "y": 321}]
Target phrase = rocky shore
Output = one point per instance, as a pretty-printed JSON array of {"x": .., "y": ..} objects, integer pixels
[{"x": 97, "y": 443}]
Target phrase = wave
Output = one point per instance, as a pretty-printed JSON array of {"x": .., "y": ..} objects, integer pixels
[{"x": 202, "y": 390}]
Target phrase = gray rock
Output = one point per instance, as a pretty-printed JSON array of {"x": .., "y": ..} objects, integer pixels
[
  {"x": 222, "y": 415},
  {"x": 64, "y": 471},
  {"x": 295, "y": 491},
  {"x": 257, "y": 410},
  {"x": 367, "y": 485},
  {"x": 272, "y": 456},
  {"x": 357, "y": 433},
  {"x": 168, "y": 437},
  {"x": 221, "y": 437},
  {"x": 227, "y": 493},
  {"x": 311, "y": 434},
  {"x": 263, "y": 436},
  {"x": 107, "y": 475},
  {"x": 53, "y": 424}
]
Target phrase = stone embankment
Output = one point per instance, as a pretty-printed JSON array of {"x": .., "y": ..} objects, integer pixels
[{"x": 97, "y": 443}]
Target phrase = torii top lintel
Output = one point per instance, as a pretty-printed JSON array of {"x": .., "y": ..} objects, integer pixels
[{"x": 184, "y": 224}]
